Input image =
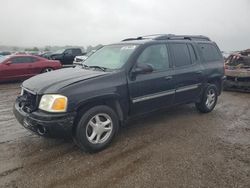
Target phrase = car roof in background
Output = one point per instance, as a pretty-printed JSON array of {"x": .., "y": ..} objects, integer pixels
[{"x": 23, "y": 55}]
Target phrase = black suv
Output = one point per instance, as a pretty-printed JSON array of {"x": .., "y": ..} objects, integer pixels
[
  {"x": 66, "y": 56},
  {"x": 119, "y": 81}
]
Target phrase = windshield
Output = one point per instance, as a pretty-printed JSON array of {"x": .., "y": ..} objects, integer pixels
[
  {"x": 60, "y": 51},
  {"x": 111, "y": 57},
  {"x": 3, "y": 58}
]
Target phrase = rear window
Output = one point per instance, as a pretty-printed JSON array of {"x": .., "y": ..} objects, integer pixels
[
  {"x": 210, "y": 53},
  {"x": 181, "y": 54},
  {"x": 3, "y": 58}
]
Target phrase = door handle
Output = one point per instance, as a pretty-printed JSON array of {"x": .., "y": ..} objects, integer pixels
[{"x": 168, "y": 77}]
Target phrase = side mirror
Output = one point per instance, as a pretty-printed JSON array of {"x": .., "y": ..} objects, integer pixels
[{"x": 142, "y": 69}]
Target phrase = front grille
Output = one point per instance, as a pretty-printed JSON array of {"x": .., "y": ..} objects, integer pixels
[{"x": 28, "y": 101}]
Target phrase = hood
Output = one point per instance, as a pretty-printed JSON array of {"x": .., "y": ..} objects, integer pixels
[{"x": 53, "y": 81}]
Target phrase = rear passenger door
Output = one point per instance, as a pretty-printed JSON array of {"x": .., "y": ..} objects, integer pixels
[
  {"x": 156, "y": 89},
  {"x": 35, "y": 66},
  {"x": 212, "y": 60},
  {"x": 187, "y": 72}
]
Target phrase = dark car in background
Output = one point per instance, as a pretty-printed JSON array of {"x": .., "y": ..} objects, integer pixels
[
  {"x": 20, "y": 67},
  {"x": 121, "y": 81},
  {"x": 4, "y": 53},
  {"x": 46, "y": 54},
  {"x": 66, "y": 56}
]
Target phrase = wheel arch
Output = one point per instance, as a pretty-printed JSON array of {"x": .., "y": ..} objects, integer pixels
[
  {"x": 110, "y": 100},
  {"x": 216, "y": 80}
]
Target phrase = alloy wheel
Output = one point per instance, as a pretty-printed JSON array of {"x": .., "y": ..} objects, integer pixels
[
  {"x": 211, "y": 97},
  {"x": 99, "y": 128}
]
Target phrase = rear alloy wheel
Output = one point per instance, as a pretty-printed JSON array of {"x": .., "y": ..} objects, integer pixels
[
  {"x": 96, "y": 128},
  {"x": 47, "y": 70},
  {"x": 209, "y": 99}
]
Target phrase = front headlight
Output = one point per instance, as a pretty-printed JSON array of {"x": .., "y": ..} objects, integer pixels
[{"x": 53, "y": 103}]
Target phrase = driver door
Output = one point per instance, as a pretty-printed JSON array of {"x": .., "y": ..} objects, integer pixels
[
  {"x": 156, "y": 89},
  {"x": 68, "y": 57}
]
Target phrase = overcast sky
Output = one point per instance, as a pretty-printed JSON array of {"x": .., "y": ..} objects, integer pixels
[{"x": 91, "y": 22}]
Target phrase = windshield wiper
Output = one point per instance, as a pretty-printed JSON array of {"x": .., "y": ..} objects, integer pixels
[
  {"x": 95, "y": 67},
  {"x": 98, "y": 67}
]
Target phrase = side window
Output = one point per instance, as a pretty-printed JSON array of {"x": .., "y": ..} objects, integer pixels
[
  {"x": 192, "y": 53},
  {"x": 32, "y": 60},
  {"x": 181, "y": 54},
  {"x": 17, "y": 60},
  {"x": 69, "y": 51},
  {"x": 209, "y": 52},
  {"x": 156, "y": 56},
  {"x": 76, "y": 52}
]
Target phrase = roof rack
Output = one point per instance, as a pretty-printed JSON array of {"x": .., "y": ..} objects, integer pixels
[
  {"x": 128, "y": 39},
  {"x": 182, "y": 37},
  {"x": 171, "y": 37}
]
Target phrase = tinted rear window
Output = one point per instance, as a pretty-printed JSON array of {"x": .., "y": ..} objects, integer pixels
[
  {"x": 181, "y": 54},
  {"x": 210, "y": 52}
]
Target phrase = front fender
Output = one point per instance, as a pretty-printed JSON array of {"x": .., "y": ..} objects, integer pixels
[
  {"x": 112, "y": 100},
  {"x": 97, "y": 98}
]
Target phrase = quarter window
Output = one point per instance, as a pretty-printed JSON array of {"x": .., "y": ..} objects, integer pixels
[
  {"x": 181, "y": 54},
  {"x": 156, "y": 56},
  {"x": 210, "y": 52}
]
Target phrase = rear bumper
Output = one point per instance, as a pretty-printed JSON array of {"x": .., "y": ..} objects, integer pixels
[{"x": 45, "y": 124}]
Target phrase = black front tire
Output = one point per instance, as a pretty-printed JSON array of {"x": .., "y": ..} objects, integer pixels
[
  {"x": 47, "y": 70},
  {"x": 80, "y": 136},
  {"x": 203, "y": 106}
]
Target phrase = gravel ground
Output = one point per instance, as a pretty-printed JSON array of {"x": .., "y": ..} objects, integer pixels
[{"x": 178, "y": 147}]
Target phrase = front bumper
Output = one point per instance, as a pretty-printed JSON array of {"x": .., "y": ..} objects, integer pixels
[
  {"x": 45, "y": 124},
  {"x": 237, "y": 82}
]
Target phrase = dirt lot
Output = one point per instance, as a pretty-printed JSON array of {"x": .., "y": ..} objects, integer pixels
[{"x": 171, "y": 148}]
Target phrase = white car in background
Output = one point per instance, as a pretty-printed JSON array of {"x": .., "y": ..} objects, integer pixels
[{"x": 78, "y": 61}]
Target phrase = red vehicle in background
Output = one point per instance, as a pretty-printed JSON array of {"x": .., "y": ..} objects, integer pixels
[{"x": 21, "y": 67}]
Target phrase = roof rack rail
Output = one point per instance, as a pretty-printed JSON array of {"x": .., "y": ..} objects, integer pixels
[
  {"x": 183, "y": 37},
  {"x": 170, "y": 37},
  {"x": 128, "y": 39}
]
